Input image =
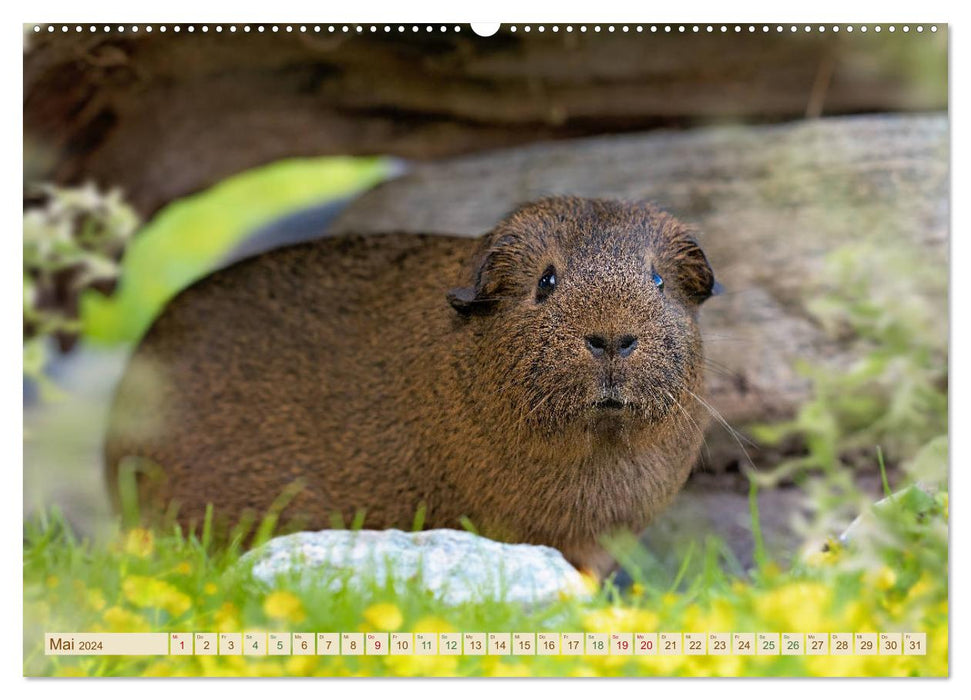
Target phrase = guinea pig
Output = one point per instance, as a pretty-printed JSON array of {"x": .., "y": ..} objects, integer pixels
[{"x": 543, "y": 381}]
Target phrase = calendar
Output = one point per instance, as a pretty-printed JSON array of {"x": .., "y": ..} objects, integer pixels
[
  {"x": 485, "y": 643},
  {"x": 526, "y": 348}
]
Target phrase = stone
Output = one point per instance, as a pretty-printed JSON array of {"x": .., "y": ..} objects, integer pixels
[{"x": 455, "y": 566}]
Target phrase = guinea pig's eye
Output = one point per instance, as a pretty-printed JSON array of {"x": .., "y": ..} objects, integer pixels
[
  {"x": 658, "y": 282},
  {"x": 547, "y": 283}
]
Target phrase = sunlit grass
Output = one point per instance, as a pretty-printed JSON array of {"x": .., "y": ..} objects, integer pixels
[{"x": 143, "y": 581}]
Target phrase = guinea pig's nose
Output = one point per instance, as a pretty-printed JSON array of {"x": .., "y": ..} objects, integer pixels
[
  {"x": 626, "y": 344},
  {"x": 599, "y": 346}
]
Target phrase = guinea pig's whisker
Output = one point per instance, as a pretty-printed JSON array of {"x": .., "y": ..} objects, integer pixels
[
  {"x": 737, "y": 436},
  {"x": 536, "y": 406},
  {"x": 692, "y": 420},
  {"x": 721, "y": 370}
]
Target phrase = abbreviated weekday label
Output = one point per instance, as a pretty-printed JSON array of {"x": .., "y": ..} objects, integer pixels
[
  {"x": 402, "y": 643},
  {"x": 106, "y": 643},
  {"x": 597, "y": 643},
  {"x": 474, "y": 643},
  {"x": 376, "y": 643},
  {"x": 817, "y": 644},
  {"x": 450, "y": 643},
  {"x": 866, "y": 643},
  {"x": 205, "y": 643},
  {"x": 915, "y": 643},
  {"x": 767, "y": 643},
  {"x": 891, "y": 643},
  {"x": 694, "y": 643},
  {"x": 180, "y": 644},
  {"x": 548, "y": 643},
  {"x": 669, "y": 643},
  {"x": 352, "y": 643},
  {"x": 743, "y": 643},
  {"x": 304, "y": 644},
  {"x": 621, "y": 643},
  {"x": 793, "y": 644},
  {"x": 230, "y": 644},
  {"x": 645, "y": 643},
  {"x": 571, "y": 643},
  {"x": 328, "y": 644},
  {"x": 500, "y": 644},
  {"x": 426, "y": 644},
  {"x": 278, "y": 643},
  {"x": 841, "y": 644},
  {"x": 523, "y": 643},
  {"x": 719, "y": 643},
  {"x": 254, "y": 644}
]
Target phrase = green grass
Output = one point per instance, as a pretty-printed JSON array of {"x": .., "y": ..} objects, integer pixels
[{"x": 140, "y": 581}]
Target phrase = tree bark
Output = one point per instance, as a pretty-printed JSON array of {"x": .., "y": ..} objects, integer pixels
[{"x": 165, "y": 115}]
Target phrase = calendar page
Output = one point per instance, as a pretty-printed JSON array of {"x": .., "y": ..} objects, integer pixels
[{"x": 523, "y": 349}]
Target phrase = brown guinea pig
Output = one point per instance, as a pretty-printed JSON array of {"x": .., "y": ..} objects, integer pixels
[{"x": 542, "y": 381}]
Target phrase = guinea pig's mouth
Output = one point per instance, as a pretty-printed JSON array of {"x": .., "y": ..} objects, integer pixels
[{"x": 610, "y": 404}]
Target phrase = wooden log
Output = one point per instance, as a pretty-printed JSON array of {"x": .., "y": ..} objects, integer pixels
[
  {"x": 165, "y": 115},
  {"x": 771, "y": 203}
]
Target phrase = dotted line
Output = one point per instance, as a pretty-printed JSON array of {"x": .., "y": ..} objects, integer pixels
[{"x": 414, "y": 28}]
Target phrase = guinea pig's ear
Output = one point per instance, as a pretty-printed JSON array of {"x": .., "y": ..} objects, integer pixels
[
  {"x": 477, "y": 298},
  {"x": 463, "y": 300},
  {"x": 695, "y": 273}
]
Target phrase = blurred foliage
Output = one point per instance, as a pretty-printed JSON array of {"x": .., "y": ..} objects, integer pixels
[
  {"x": 72, "y": 242},
  {"x": 187, "y": 239},
  {"x": 895, "y": 394}
]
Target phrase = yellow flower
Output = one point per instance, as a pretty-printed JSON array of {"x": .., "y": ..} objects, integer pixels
[
  {"x": 52, "y": 581},
  {"x": 660, "y": 664},
  {"x": 420, "y": 665},
  {"x": 148, "y": 592},
  {"x": 432, "y": 624},
  {"x": 184, "y": 568},
  {"x": 227, "y": 620},
  {"x": 883, "y": 578},
  {"x": 96, "y": 600},
  {"x": 620, "y": 619},
  {"x": 157, "y": 669},
  {"x": 121, "y": 620},
  {"x": 925, "y": 584},
  {"x": 795, "y": 606},
  {"x": 300, "y": 665},
  {"x": 283, "y": 605},
  {"x": 210, "y": 588},
  {"x": 70, "y": 672},
  {"x": 719, "y": 617},
  {"x": 384, "y": 616},
  {"x": 727, "y": 666},
  {"x": 583, "y": 672},
  {"x": 836, "y": 666},
  {"x": 589, "y": 584},
  {"x": 139, "y": 542},
  {"x": 502, "y": 669}
]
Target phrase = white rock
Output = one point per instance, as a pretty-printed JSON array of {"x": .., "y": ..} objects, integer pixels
[{"x": 456, "y": 566}]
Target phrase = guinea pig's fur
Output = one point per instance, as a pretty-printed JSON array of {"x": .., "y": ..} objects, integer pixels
[{"x": 541, "y": 381}]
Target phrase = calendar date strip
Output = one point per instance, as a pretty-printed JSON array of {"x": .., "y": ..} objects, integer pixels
[{"x": 486, "y": 643}]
